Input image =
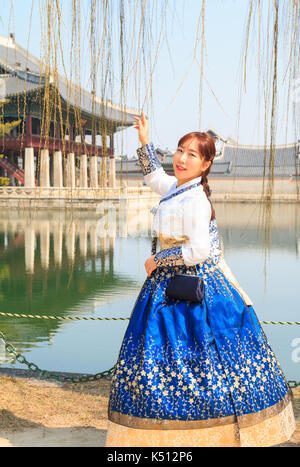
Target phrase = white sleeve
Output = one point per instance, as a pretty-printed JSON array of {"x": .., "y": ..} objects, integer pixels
[
  {"x": 154, "y": 175},
  {"x": 196, "y": 218}
]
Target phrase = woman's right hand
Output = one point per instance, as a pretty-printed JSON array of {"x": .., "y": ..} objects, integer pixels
[{"x": 142, "y": 126}]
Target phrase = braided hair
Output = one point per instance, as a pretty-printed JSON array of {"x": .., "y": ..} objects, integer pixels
[{"x": 207, "y": 148}]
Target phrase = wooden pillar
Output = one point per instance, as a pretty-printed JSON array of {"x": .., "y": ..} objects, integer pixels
[
  {"x": 94, "y": 151},
  {"x": 70, "y": 175},
  {"x": 103, "y": 167},
  {"x": 103, "y": 171},
  {"x": 94, "y": 172},
  {"x": 57, "y": 169},
  {"x": 28, "y": 131},
  {"x": 44, "y": 169},
  {"x": 83, "y": 171},
  {"x": 71, "y": 138},
  {"x": 112, "y": 172},
  {"x": 29, "y": 176},
  {"x": 111, "y": 142},
  {"x": 57, "y": 131}
]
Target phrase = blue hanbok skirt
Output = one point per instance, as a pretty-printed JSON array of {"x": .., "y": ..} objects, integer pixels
[{"x": 197, "y": 375}]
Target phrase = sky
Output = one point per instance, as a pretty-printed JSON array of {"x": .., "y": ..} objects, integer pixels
[{"x": 175, "y": 109}]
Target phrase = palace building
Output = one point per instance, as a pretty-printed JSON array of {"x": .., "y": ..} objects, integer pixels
[{"x": 53, "y": 132}]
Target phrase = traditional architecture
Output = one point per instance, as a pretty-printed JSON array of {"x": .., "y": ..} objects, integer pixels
[
  {"x": 248, "y": 161},
  {"x": 54, "y": 133},
  {"x": 234, "y": 160}
]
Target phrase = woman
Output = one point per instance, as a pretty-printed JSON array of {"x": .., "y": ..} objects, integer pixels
[{"x": 191, "y": 374}]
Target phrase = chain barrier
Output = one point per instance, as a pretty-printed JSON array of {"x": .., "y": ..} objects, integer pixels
[
  {"x": 50, "y": 375},
  {"x": 70, "y": 379},
  {"x": 85, "y": 378},
  {"x": 83, "y": 318},
  {"x": 68, "y": 318},
  {"x": 281, "y": 322}
]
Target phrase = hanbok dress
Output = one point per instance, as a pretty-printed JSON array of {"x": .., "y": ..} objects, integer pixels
[{"x": 191, "y": 374}]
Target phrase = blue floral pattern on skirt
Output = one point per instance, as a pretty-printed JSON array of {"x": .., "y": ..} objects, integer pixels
[{"x": 187, "y": 361}]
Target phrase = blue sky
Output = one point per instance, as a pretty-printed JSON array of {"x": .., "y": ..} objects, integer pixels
[{"x": 170, "y": 117}]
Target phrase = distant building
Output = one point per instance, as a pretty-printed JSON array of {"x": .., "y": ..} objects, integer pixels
[
  {"x": 237, "y": 160},
  {"x": 75, "y": 121}
]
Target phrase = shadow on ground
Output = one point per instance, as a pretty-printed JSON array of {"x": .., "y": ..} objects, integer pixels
[{"x": 36, "y": 435}]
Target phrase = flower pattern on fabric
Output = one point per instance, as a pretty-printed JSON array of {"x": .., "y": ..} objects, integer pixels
[
  {"x": 169, "y": 257},
  {"x": 148, "y": 158},
  {"x": 215, "y": 249},
  {"x": 183, "y": 361},
  {"x": 181, "y": 383}
]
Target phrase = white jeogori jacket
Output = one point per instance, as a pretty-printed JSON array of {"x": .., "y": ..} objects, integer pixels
[{"x": 182, "y": 220}]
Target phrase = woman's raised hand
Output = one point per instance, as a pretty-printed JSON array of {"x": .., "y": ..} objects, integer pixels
[{"x": 142, "y": 126}]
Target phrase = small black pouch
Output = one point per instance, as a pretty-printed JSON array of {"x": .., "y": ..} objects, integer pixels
[{"x": 186, "y": 287}]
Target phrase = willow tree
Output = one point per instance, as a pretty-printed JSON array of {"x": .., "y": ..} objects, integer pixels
[{"x": 117, "y": 44}]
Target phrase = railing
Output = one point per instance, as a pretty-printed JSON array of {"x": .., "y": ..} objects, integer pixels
[
  {"x": 11, "y": 168},
  {"x": 75, "y": 193}
]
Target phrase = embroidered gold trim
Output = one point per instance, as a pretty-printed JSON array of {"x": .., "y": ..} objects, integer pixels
[
  {"x": 220, "y": 436},
  {"x": 154, "y": 424},
  {"x": 243, "y": 421},
  {"x": 269, "y": 432},
  {"x": 253, "y": 419},
  {"x": 170, "y": 241}
]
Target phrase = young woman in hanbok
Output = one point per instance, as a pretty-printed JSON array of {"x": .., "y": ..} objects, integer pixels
[{"x": 191, "y": 374}]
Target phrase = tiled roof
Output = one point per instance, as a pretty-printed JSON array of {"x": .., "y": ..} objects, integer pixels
[
  {"x": 26, "y": 73},
  {"x": 13, "y": 57},
  {"x": 248, "y": 161},
  {"x": 254, "y": 156}
]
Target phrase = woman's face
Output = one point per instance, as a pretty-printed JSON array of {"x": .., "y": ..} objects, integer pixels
[{"x": 188, "y": 163}]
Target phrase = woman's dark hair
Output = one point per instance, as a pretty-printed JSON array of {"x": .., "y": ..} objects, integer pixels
[{"x": 207, "y": 148}]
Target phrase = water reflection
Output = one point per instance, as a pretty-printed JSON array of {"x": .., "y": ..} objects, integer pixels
[
  {"x": 62, "y": 263},
  {"x": 72, "y": 263}
]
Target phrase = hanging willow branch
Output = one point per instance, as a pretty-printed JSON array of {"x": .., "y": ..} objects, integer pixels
[
  {"x": 109, "y": 47},
  {"x": 282, "y": 29}
]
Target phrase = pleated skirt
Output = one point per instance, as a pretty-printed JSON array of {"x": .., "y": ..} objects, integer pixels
[{"x": 191, "y": 374}]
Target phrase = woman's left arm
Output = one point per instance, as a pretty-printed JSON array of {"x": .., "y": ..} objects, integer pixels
[
  {"x": 155, "y": 176},
  {"x": 196, "y": 218}
]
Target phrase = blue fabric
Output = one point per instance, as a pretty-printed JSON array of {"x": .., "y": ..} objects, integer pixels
[
  {"x": 148, "y": 158},
  {"x": 187, "y": 361},
  {"x": 186, "y": 287}
]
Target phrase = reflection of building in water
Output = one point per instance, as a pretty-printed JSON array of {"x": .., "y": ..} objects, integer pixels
[
  {"x": 56, "y": 263},
  {"x": 61, "y": 264},
  {"x": 85, "y": 232},
  {"x": 240, "y": 225},
  {"x": 88, "y": 234}
]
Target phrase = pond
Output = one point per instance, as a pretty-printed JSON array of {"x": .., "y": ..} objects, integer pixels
[{"x": 91, "y": 264}]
